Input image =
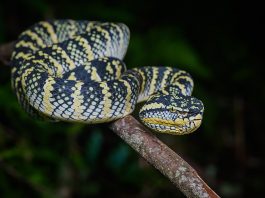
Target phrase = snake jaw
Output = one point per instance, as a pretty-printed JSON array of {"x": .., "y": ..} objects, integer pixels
[
  {"x": 180, "y": 122},
  {"x": 172, "y": 114},
  {"x": 176, "y": 127}
]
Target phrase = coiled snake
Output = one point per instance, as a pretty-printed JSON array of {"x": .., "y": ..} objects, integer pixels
[{"x": 73, "y": 71}]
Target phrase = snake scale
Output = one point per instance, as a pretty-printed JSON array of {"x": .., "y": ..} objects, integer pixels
[{"x": 73, "y": 71}]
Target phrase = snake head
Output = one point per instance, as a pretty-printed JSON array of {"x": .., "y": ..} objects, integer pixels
[{"x": 173, "y": 114}]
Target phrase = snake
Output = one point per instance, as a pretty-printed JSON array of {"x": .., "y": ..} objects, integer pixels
[{"x": 73, "y": 70}]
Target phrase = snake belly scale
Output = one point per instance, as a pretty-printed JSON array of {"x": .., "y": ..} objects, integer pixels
[{"x": 74, "y": 71}]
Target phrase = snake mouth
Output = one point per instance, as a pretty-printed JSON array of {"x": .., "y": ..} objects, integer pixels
[
  {"x": 175, "y": 127},
  {"x": 169, "y": 123}
]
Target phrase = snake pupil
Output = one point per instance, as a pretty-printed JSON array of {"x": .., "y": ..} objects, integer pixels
[{"x": 172, "y": 109}]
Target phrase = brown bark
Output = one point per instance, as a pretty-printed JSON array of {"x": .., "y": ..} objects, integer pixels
[
  {"x": 170, "y": 164},
  {"x": 162, "y": 157}
]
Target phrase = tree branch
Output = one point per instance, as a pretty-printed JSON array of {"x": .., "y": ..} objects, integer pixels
[
  {"x": 150, "y": 148},
  {"x": 162, "y": 157}
]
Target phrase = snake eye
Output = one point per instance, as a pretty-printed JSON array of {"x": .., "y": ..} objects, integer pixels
[{"x": 172, "y": 109}]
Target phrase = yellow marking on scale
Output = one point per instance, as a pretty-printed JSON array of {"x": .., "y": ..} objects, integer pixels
[
  {"x": 142, "y": 96},
  {"x": 152, "y": 106},
  {"x": 197, "y": 120},
  {"x": 179, "y": 75},
  {"x": 78, "y": 99},
  {"x": 72, "y": 76},
  {"x": 109, "y": 68},
  {"x": 48, "y": 88},
  {"x": 21, "y": 55},
  {"x": 165, "y": 77},
  {"x": 106, "y": 99},
  {"x": 17, "y": 80},
  {"x": 24, "y": 77},
  {"x": 90, "y": 25},
  {"x": 198, "y": 116},
  {"x": 107, "y": 37},
  {"x": 128, "y": 104},
  {"x": 161, "y": 121},
  {"x": 176, "y": 75},
  {"x": 26, "y": 44},
  {"x": 73, "y": 31},
  {"x": 48, "y": 69},
  {"x": 182, "y": 87},
  {"x": 118, "y": 69},
  {"x": 50, "y": 30},
  {"x": 153, "y": 83},
  {"x": 94, "y": 74},
  {"x": 13, "y": 69},
  {"x": 186, "y": 78},
  {"x": 84, "y": 43},
  {"x": 54, "y": 62},
  {"x": 35, "y": 37},
  {"x": 71, "y": 64},
  {"x": 121, "y": 39},
  {"x": 144, "y": 79}
]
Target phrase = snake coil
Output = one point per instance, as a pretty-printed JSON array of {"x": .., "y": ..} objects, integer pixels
[{"x": 73, "y": 71}]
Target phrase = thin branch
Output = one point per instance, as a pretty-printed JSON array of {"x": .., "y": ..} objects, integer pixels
[
  {"x": 151, "y": 149},
  {"x": 162, "y": 157}
]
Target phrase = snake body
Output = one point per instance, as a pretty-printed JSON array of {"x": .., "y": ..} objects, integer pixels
[{"x": 73, "y": 71}]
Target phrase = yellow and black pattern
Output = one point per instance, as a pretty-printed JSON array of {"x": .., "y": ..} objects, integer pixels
[{"x": 73, "y": 71}]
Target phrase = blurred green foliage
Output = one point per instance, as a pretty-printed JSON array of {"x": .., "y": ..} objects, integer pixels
[{"x": 219, "y": 46}]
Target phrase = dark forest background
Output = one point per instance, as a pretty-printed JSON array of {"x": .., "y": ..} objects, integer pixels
[{"x": 218, "y": 43}]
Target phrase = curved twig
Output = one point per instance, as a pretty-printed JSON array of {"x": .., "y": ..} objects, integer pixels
[{"x": 150, "y": 148}]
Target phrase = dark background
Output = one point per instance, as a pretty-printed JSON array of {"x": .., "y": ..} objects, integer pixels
[{"x": 218, "y": 43}]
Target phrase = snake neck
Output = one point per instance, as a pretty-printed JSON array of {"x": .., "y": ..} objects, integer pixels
[{"x": 168, "y": 80}]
